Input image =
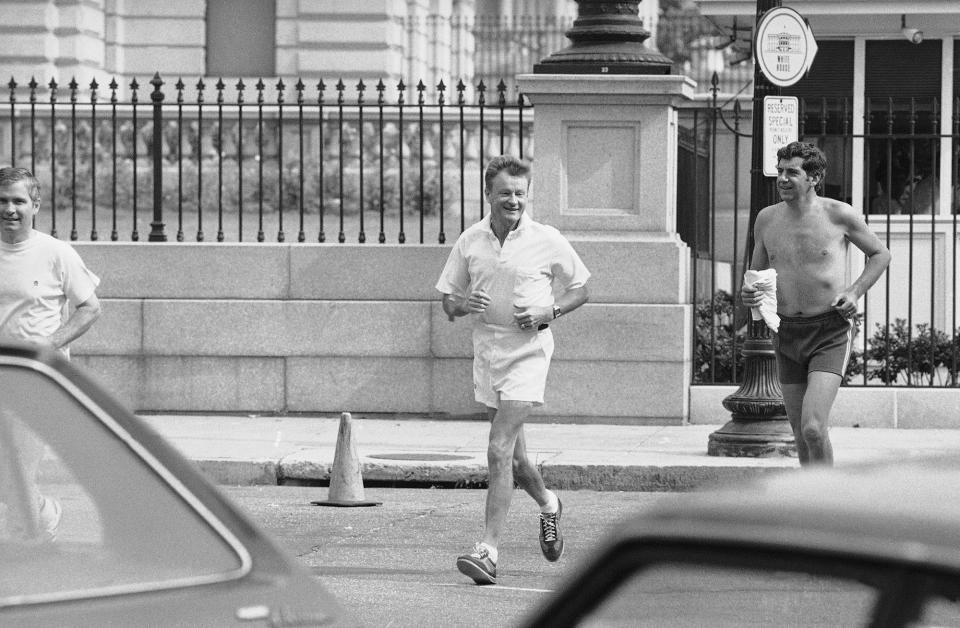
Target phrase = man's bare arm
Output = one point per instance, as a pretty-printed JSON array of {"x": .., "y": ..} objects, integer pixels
[
  {"x": 878, "y": 256},
  {"x": 572, "y": 299},
  {"x": 453, "y": 306},
  {"x": 81, "y": 319},
  {"x": 760, "y": 260}
]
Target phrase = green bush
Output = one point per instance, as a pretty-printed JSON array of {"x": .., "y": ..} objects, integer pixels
[
  {"x": 894, "y": 354},
  {"x": 714, "y": 358},
  {"x": 925, "y": 357},
  {"x": 181, "y": 187}
]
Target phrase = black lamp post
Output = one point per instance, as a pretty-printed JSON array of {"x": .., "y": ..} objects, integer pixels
[
  {"x": 758, "y": 425},
  {"x": 608, "y": 38}
]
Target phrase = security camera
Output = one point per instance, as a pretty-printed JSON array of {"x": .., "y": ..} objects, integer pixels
[{"x": 913, "y": 35}]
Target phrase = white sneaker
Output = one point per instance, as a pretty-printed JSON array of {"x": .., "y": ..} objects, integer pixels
[{"x": 48, "y": 519}]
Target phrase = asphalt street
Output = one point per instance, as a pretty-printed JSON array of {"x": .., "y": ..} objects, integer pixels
[{"x": 394, "y": 564}]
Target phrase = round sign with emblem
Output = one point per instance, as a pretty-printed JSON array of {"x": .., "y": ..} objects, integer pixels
[{"x": 784, "y": 46}]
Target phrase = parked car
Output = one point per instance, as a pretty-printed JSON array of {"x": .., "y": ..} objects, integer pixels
[
  {"x": 124, "y": 531},
  {"x": 875, "y": 545}
]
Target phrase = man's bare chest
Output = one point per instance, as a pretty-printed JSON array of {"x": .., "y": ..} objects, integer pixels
[{"x": 801, "y": 244}]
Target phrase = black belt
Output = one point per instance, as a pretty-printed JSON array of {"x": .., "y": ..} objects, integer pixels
[{"x": 542, "y": 326}]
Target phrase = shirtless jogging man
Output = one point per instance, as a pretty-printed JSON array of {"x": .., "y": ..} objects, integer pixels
[{"x": 804, "y": 238}]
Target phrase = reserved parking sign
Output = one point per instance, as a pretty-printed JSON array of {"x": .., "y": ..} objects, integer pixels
[{"x": 781, "y": 125}]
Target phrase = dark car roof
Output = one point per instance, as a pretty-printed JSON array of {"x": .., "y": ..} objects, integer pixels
[{"x": 903, "y": 510}]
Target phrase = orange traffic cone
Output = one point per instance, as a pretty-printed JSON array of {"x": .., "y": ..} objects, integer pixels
[{"x": 346, "y": 481}]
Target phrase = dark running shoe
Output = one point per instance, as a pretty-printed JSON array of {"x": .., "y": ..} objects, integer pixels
[
  {"x": 551, "y": 539},
  {"x": 478, "y": 566}
]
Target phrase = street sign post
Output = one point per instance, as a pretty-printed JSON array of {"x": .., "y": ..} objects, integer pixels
[
  {"x": 781, "y": 125},
  {"x": 758, "y": 424}
]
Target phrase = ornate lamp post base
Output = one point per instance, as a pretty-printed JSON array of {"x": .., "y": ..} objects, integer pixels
[
  {"x": 752, "y": 439},
  {"x": 608, "y": 38},
  {"x": 759, "y": 425}
]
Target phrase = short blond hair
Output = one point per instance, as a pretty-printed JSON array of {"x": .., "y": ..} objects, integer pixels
[{"x": 515, "y": 167}]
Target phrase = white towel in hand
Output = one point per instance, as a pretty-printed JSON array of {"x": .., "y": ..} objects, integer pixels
[{"x": 766, "y": 282}]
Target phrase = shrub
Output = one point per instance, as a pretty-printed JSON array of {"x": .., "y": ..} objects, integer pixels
[
  {"x": 714, "y": 359},
  {"x": 894, "y": 354},
  {"x": 927, "y": 356}
]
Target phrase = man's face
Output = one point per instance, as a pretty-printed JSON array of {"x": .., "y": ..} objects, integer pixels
[
  {"x": 17, "y": 210},
  {"x": 507, "y": 196},
  {"x": 792, "y": 180}
]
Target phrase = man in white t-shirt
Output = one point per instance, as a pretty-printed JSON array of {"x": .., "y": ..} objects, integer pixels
[
  {"x": 515, "y": 276},
  {"x": 47, "y": 298}
]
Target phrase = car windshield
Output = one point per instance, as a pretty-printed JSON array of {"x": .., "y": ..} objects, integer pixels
[
  {"x": 85, "y": 510},
  {"x": 692, "y": 594}
]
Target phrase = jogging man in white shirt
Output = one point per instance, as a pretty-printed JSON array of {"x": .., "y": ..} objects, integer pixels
[
  {"x": 41, "y": 279},
  {"x": 505, "y": 271}
]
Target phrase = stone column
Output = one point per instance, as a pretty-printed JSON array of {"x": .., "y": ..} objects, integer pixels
[
  {"x": 607, "y": 151},
  {"x": 605, "y": 174}
]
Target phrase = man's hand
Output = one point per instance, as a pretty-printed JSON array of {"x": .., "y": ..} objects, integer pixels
[
  {"x": 750, "y": 296},
  {"x": 845, "y": 304},
  {"x": 477, "y": 302},
  {"x": 532, "y": 317},
  {"x": 456, "y": 306}
]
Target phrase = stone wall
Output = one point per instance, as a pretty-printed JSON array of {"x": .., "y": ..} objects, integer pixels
[{"x": 313, "y": 328}]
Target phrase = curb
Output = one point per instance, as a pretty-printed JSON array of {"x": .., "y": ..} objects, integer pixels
[{"x": 670, "y": 478}]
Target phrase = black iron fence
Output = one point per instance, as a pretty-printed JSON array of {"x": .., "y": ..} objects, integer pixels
[
  {"x": 360, "y": 164},
  {"x": 290, "y": 161},
  {"x": 901, "y": 168}
]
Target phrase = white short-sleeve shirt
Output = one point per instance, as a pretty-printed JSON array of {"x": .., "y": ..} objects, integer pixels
[
  {"x": 534, "y": 262},
  {"x": 39, "y": 279}
]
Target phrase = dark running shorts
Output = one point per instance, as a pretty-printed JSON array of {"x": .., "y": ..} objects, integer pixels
[{"x": 815, "y": 343}]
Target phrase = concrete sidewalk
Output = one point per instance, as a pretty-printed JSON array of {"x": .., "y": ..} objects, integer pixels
[{"x": 410, "y": 451}]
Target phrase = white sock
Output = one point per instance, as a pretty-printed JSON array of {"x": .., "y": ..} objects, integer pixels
[
  {"x": 492, "y": 552},
  {"x": 552, "y": 504}
]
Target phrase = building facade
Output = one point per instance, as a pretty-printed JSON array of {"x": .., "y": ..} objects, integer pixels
[{"x": 260, "y": 39}]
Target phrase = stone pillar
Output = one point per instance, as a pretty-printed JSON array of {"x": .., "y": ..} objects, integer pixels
[
  {"x": 607, "y": 151},
  {"x": 605, "y": 174}
]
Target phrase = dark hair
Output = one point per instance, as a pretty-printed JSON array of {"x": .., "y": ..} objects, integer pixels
[
  {"x": 10, "y": 175},
  {"x": 814, "y": 161},
  {"x": 515, "y": 167}
]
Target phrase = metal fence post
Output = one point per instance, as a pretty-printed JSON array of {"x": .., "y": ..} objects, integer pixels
[{"x": 156, "y": 227}]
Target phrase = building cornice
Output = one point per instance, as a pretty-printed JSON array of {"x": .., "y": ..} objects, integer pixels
[{"x": 833, "y": 7}]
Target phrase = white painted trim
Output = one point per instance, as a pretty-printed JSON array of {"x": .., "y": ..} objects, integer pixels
[
  {"x": 859, "y": 106},
  {"x": 946, "y": 118}
]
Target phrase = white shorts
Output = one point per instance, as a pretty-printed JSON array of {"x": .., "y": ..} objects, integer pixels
[{"x": 510, "y": 364}]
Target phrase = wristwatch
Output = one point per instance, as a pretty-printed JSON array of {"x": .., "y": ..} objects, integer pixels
[{"x": 556, "y": 311}]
